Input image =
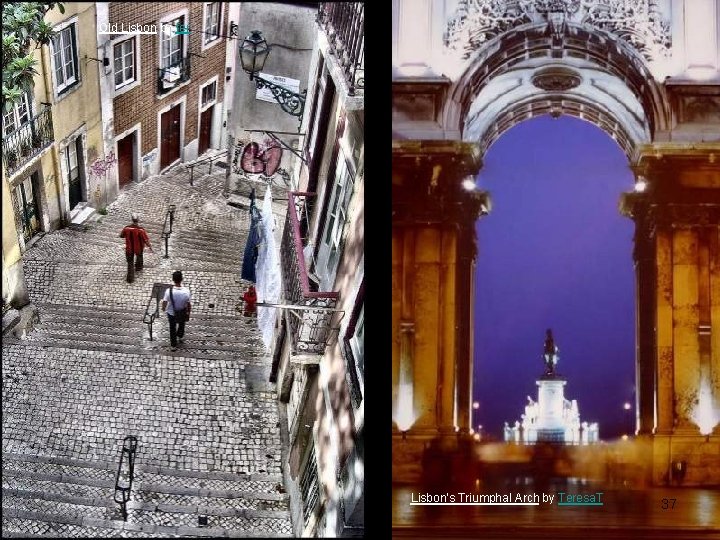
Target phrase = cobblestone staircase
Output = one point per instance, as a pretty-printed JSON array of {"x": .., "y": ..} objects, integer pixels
[
  {"x": 64, "y": 497},
  {"x": 209, "y": 452}
]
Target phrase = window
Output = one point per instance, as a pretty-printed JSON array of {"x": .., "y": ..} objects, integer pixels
[
  {"x": 337, "y": 217},
  {"x": 212, "y": 22},
  {"x": 208, "y": 93},
  {"x": 64, "y": 58},
  {"x": 124, "y": 54},
  {"x": 71, "y": 161},
  {"x": 310, "y": 486},
  {"x": 18, "y": 116},
  {"x": 172, "y": 45}
]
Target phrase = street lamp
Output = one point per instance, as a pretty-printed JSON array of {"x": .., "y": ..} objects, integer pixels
[{"x": 253, "y": 54}]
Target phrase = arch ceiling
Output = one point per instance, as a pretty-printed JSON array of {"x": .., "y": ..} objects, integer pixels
[{"x": 577, "y": 57}]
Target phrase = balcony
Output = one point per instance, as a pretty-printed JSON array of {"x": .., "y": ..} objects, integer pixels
[
  {"x": 344, "y": 25},
  {"x": 310, "y": 323},
  {"x": 28, "y": 141},
  {"x": 173, "y": 75}
]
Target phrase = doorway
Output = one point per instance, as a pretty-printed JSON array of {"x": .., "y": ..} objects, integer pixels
[
  {"x": 126, "y": 161},
  {"x": 205, "y": 129},
  {"x": 170, "y": 137},
  {"x": 28, "y": 207},
  {"x": 73, "y": 156}
]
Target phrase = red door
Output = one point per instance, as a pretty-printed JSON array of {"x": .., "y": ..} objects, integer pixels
[
  {"x": 169, "y": 136},
  {"x": 205, "y": 127},
  {"x": 125, "y": 159}
]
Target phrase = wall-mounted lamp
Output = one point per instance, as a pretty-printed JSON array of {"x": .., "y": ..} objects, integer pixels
[
  {"x": 105, "y": 61},
  {"x": 641, "y": 184},
  {"x": 253, "y": 54}
]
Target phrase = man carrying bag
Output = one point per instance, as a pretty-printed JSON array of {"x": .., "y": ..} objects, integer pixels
[{"x": 176, "y": 303}]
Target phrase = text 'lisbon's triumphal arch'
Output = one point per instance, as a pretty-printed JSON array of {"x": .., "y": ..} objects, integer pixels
[{"x": 647, "y": 72}]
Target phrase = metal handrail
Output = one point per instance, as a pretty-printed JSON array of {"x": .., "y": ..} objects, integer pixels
[
  {"x": 166, "y": 232},
  {"x": 158, "y": 292},
  {"x": 205, "y": 160},
  {"x": 127, "y": 454}
]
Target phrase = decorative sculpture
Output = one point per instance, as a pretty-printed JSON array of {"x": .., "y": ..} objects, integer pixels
[{"x": 550, "y": 353}]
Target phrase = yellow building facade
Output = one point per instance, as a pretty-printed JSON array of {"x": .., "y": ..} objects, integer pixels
[{"x": 53, "y": 167}]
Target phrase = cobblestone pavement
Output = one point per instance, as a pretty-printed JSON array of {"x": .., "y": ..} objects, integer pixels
[{"x": 89, "y": 375}]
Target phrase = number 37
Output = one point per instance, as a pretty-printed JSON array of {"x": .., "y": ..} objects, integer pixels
[{"x": 667, "y": 504}]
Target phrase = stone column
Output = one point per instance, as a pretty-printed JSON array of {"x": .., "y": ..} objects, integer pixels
[
  {"x": 681, "y": 208},
  {"x": 646, "y": 283},
  {"x": 433, "y": 252}
]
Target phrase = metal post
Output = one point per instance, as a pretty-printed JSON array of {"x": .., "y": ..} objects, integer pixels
[
  {"x": 210, "y": 171},
  {"x": 166, "y": 236},
  {"x": 192, "y": 170},
  {"x": 124, "y": 486},
  {"x": 172, "y": 216}
]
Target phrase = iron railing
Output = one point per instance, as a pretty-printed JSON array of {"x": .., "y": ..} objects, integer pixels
[
  {"x": 171, "y": 76},
  {"x": 157, "y": 294},
  {"x": 310, "y": 329},
  {"x": 204, "y": 161},
  {"x": 28, "y": 140},
  {"x": 125, "y": 473},
  {"x": 167, "y": 230},
  {"x": 344, "y": 25}
]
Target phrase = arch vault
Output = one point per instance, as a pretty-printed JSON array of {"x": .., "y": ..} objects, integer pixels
[{"x": 466, "y": 71}]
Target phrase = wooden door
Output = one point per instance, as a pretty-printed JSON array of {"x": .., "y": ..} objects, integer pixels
[
  {"x": 125, "y": 160},
  {"x": 170, "y": 136},
  {"x": 28, "y": 207},
  {"x": 205, "y": 128}
]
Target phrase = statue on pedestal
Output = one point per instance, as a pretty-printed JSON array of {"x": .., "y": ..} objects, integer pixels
[{"x": 550, "y": 353}]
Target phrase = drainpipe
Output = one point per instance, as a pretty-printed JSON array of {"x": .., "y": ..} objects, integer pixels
[{"x": 56, "y": 156}]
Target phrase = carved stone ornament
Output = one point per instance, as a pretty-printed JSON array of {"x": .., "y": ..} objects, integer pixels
[
  {"x": 556, "y": 79},
  {"x": 638, "y": 22}
]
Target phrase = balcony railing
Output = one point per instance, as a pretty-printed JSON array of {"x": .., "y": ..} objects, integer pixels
[
  {"x": 27, "y": 141},
  {"x": 310, "y": 328},
  {"x": 173, "y": 75},
  {"x": 344, "y": 24}
]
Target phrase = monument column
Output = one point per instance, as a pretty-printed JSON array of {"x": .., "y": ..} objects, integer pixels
[{"x": 433, "y": 253}]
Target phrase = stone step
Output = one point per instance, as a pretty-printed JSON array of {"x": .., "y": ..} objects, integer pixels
[
  {"x": 17, "y": 523},
  {"x": 197, "y": 339},
  {"x": 58, "y": 465},
  {"x": 64, "y": 491},
  {"x": 136, "y": 329},
  {"x": 108, "y": 312},
  {"x": 144, "y": 514},
  {"x": 184, "y": 351}
]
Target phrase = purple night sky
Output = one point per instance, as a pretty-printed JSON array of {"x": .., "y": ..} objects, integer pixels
[{"x": 555, "y": 253}]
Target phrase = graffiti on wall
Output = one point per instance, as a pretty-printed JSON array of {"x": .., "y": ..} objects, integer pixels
[
  {"x": 258, "y": 158},
  {"x": 101, "y": 166}
]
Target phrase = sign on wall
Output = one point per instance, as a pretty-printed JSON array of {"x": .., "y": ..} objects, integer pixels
[{"x": 264, "y": 94}]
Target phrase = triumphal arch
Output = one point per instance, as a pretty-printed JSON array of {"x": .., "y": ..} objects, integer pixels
[{"x": 647, "y": 72}]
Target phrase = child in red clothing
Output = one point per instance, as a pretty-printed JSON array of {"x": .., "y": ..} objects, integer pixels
[{"x": 250, "y": 298}]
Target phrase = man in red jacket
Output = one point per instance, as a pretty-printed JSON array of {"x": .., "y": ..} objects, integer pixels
[{"x": 136, "y": 239}]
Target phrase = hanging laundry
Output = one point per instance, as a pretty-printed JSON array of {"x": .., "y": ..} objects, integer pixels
[{"x": 253, "y": 242}]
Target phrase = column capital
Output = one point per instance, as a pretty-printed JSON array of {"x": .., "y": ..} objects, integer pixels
[
  {"x": 427, "y": 182},
  {"x": 649, "y": 212}
]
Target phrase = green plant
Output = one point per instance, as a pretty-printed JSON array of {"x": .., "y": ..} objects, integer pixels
[
  {"x": 103, "y": 211},
  {"x": 22, "y": 25}
]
